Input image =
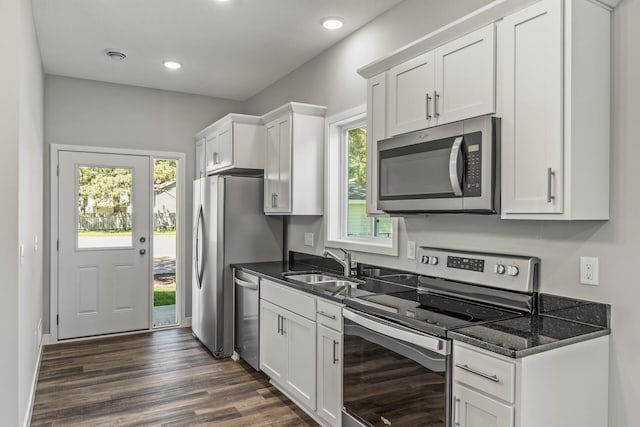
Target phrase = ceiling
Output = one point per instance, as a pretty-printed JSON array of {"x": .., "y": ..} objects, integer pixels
[{"x": 228, "y": 49}]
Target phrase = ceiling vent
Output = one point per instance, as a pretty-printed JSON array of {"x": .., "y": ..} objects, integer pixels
[{"x": 116, "y": 55}]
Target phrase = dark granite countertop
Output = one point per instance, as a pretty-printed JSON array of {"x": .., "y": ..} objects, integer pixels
[
  {"x": 527, "y": 335},
  {"x": 560, "y": 320}
]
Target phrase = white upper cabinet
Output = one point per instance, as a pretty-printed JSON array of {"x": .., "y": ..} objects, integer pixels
[
  {"x": 465, "y": 77},
  {"x": 294, "y": 169},
  {"x": 455, "y": 81},
  {"x": 234, "y": 142},
  {"x": 201, "y": 165},
  {"x": 555, "y": 111},
  {"x": 376, "y": 130},
  {"x": 411, "y": 88}
]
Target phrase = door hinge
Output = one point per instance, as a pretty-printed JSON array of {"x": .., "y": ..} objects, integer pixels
[
  {"x": 57, "y": 170},
  {"x": 57, "y": 319},
  {"x": 57, "y": 245}
]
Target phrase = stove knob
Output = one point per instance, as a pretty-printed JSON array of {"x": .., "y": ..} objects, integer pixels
[
  {"x": 512, "y": 270},
  {"x": 433, "y": 260},
  {"x": 498, "y": 269},
  {"x": 424, "y": 259}
]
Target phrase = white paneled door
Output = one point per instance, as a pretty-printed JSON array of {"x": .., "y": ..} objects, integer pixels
[{"x": 103, "y": 232}]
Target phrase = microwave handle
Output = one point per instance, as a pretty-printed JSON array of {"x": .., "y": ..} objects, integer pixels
[{"x": 454, "y": 158}]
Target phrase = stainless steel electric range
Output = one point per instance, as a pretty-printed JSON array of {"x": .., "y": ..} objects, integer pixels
[{"x": 396, "y": 361}]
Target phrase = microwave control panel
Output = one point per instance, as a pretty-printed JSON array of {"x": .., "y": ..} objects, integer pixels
[{"x": 473, "y": 172}]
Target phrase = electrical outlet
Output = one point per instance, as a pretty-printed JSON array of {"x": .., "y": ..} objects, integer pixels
[
  {"x": 411, "y": 249},
  {"x": 308, "y": 239},
  {"x": 589, "y": 271}
]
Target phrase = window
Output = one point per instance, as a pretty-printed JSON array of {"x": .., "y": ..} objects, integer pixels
[{"x": 348, "y": 225}]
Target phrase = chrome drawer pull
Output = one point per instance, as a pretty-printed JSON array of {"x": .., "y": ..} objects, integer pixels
[
  {"x": 493, "y": 378},
  {"x": 328, "y": 316},
  {"x": 550, "y": 175}
]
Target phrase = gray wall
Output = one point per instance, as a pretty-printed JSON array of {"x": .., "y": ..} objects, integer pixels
[
  {"x": 89, "y": 113},
  {"x": 21, "y": 214},
  {"x": 330, "y": 79}
]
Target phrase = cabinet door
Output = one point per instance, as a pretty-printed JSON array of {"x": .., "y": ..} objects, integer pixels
[
  {"x": 472, "y": 409},
  {"x": 272, "y": 168},
  {"x": 301, "y": 359},
  {"x": 201, "y": 165},
  {"x": 376, "y": 130},
  {"x": 465, "y": 77},
  {"x": 225, "y": 146},
  {"x": 532, "y": 104},
  {"x": 273, "y": 342},
  {"x": 411, "y": 86},
  {"x": 329, "y": 375}
]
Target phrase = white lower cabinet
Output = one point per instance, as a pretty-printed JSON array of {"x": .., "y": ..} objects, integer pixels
[
  {"x": 288, "y": 351},
  {"x": 561, "y": 387},
  {"x": 302, "y": 356},
  {"x": 329, "y": 371},
  {"x": 473, "y": 409}
]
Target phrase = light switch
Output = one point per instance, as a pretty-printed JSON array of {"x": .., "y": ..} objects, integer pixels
[
  {"x": 308, "y": 239},
  {"x": 411, "y": 249}
]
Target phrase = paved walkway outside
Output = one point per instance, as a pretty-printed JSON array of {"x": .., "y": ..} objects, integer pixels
[{"x": 164, "y": 315}]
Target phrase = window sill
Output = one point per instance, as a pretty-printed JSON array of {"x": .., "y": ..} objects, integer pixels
[{"x": 364, "y": 246}]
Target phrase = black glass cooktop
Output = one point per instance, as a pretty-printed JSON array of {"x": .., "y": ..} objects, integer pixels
[{"x": 430, "y": 312}]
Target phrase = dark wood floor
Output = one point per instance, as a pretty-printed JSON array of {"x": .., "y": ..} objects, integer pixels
[{"x": 164, "y": 378}]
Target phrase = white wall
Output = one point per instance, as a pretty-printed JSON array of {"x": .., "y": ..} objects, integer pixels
[
  {"x": 9, "y": 80},
  {"x": 330, "y": 79},
  {"x": 30, "y": 183},
  {"x": 21, "y": 214},
  {"x": 90, "y": 113}
]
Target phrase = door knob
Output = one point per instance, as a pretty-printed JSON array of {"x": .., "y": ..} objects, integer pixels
[
  {"x": 143, "y": 239},
  {"x": 143, "y": 251}
]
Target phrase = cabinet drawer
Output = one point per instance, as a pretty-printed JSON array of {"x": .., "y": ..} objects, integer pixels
[
  {"x": 329, "y": 315},
  {"x": 289, "y": 299},
  {"x": 484, "y": 372}
]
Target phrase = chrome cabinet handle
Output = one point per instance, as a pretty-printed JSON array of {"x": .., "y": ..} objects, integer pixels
[
  {"x": 275, "y": 204},
  {"x": 279, "y": 327},
  {"x": 453, "y": 166},
  {"x": 436, "y": 97},
  {"x": 274, "y": 198},
  {"x": 216, "y": 158},
  {"x": 328, "y": 316},
  {"x": 428, "y": 101},
  {"x": 456, "y": 411},
  {"x": 493, "y": 378},
  {"x": 335, "y": 359},
  {"x": 550, "y": 175}
]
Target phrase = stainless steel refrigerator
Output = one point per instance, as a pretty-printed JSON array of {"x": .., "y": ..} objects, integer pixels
[{"x": 229, "y": 227}]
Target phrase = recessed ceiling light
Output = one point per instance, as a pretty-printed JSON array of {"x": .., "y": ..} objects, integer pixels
[
  {"x": 332, "y": 23},
  {"x": 172, "y": 65},
  {"x": 116, "y": 55}
]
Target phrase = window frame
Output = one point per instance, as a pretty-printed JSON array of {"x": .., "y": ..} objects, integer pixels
[{"x": 336, "y": 196}]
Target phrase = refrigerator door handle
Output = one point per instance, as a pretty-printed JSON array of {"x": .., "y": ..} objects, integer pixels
[{"x": 199, "y": 266}]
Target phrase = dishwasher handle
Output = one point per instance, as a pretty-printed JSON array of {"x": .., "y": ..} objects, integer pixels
[{"x": 245, "y": 284}]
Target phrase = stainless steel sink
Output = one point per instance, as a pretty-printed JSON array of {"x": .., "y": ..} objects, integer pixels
[{"x": 311, "y": 278}]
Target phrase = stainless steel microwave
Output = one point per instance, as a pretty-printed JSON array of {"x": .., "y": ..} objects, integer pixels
[{"x": 450, "y": 168}]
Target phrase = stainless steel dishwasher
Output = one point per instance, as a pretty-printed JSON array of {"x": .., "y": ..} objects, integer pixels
[{"x": 247, "y": 319}]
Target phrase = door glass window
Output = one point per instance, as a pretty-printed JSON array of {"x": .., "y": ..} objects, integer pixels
[{"x": 104, "y": 207}]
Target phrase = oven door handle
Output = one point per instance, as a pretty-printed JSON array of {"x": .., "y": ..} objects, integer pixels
[
  {"x": 454, "y": 159},
  {"x": 428, "y": 342}
]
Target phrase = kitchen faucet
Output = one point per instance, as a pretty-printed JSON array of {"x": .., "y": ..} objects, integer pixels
[{"x": 346, "y": 262}]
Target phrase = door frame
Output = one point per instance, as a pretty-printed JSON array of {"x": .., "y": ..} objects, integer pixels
[{"x": 180, "y": 241}]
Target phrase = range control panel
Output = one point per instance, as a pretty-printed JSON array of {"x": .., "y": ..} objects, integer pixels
[{"x": 511, "y": 272}]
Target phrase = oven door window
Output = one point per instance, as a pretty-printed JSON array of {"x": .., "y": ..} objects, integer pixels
[
  {"x": 391, "y": 382},
  {"x": 419, "y": 171}
]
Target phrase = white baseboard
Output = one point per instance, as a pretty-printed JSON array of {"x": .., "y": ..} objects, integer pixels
[
  {"x": 187, "y": 322},
  {"x": 34, "y": 383},
  {"x": 46, "y": 340}
]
